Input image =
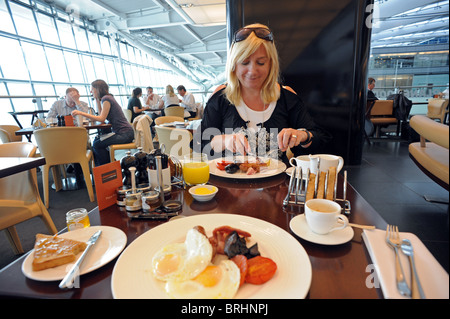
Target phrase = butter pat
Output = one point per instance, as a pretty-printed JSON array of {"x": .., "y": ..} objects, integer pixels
[{"x": 203, "y": 191}]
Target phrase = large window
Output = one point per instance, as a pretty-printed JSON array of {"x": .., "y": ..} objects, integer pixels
[{"x": 44, "y": 51}]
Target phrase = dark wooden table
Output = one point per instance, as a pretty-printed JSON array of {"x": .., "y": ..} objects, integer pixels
[
  {"x": 337, "y": 271},
  {"x": 13, "y": 165}
]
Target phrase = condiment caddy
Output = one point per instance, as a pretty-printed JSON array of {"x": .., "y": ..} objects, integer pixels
[{"x": 149, "y": 200}]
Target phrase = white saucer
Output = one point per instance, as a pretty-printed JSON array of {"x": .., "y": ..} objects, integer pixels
[{"x": 299, "y": 226}]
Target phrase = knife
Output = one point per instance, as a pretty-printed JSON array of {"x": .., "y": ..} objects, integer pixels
[{"x": 69, "y": 279}]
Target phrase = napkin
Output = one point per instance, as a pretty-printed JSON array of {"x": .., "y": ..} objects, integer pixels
[
  {"x": 39, "y": 124},
  {"x": 433, "y": 277}
]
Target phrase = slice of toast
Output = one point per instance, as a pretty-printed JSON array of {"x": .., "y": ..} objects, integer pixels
[
  {"x": 52, "y": 251},
  {"x": 332, "y": 176}
]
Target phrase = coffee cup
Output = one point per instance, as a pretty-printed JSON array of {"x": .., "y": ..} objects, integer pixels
[
  {"x": 326, "y": 161},
  {"x": 302, "y": 161},
  {"x": 322, "y": 216}
]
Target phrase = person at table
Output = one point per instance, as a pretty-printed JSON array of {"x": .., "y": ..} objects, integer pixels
[
  {"x": 169, "y": 99},
  {"x": 253, "y": 113},
  {"x": 370, "y": 86},
  {"x": 135, "y": 105},
  {"x": 152, "y": 99},
  {"x": 108, "y": 109},
  {"x": 65, "y": 107},
  {"x": 187, "y": 101}
]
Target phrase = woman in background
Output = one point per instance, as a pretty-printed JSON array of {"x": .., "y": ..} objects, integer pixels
[
  {"x": 108, "y": 109},
  {"x": 170, "y": 99},
  {"x": 135, "y": 105}
]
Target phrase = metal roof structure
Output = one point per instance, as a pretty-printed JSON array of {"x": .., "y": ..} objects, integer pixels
[{"x": 190, "y": 36}]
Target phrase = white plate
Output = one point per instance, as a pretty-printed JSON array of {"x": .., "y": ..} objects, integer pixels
[
  {"x": 299, "y": 226},
  {"x": 132, "y": 276},
  {"x": 275, "y": 167},
  {"x": 289, "y": 171},
  {"x": 109, "y": 245}
]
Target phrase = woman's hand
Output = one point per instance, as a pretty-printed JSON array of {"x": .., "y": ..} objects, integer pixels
[
  {"x": 76, "y": 112},
  {"x": 289, "y": 138},
  {"x": 236, "y": 143}
]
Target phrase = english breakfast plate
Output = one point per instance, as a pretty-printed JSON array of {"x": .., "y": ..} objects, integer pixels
[
  {"x": 275, "y": 167},
  {"x": 132, "y": 276}
]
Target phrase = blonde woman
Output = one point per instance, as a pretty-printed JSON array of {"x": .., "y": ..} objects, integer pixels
[
  {"x": 170, "y": 99},
  {"x": 252, "y": 113}
]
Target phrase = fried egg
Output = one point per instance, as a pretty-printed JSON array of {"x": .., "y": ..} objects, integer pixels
[
  {"x": 183, "y": 261},
  {"x": 219, "y": 281}
]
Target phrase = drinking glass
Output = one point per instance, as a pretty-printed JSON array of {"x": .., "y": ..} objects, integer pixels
[{"x": 196, "y": 169}]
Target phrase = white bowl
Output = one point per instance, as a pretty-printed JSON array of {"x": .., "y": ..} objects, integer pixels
[{"x": 206, "y": 197}]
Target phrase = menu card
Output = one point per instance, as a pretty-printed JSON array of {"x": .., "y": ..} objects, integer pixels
[
  {"x": 107, "y": 179},
  {"x": 68, "y": 119}
]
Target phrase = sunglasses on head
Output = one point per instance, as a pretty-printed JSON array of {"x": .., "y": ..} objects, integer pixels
[{"x": 261, "y": 33}]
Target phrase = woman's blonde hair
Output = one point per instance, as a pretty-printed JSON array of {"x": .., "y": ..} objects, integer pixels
[
  {"x": 239, "y": 52},
  {"x": 170, "y": 91}
]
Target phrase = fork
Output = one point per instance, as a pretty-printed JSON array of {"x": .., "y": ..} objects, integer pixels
[{"x": 393, "y": 240}]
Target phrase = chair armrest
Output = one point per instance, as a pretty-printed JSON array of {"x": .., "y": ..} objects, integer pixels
[{"x": 431, "y": 130}]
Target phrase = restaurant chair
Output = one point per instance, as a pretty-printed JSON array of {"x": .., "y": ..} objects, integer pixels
[
  {"x": 8, "y": 133},
  {"x": 437, "y": 109},
  {"x": 382, "y": 115},
  {"x": 142, "y": 137},
  {"x": 177, "y": 141},
  {"x": 174, "y": 111},
  {"x": 64, "y": 145},
  {"x": 168, "y": 119},
  {"x": 19, "y": 196},
  {"x": 128, "y": 114},
  {"x": 200, "y": 110},
  {"x": 431, "y": 153}
]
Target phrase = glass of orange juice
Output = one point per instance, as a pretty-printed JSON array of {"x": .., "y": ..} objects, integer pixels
[{"x": 196, "y": 169}]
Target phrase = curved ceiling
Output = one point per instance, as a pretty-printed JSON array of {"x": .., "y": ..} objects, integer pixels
[
  {"x": 408, "y": 23},
  {"x": 190, "y": 36}
]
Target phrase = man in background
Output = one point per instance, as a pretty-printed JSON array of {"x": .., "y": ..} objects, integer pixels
[
  {"x": 65, "y": 106},
  {"x": 370, "y": 95},
  {"x": 188, "y": 101},
  {"x": 152, "y": 99}
]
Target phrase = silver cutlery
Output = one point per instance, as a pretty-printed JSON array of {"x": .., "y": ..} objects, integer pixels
[
  {"x": 358, "y": 225},
  {"x": 69, "y": 279},
  {"x": 393, "y": 240},
  {"x": 416, "y": 287}
]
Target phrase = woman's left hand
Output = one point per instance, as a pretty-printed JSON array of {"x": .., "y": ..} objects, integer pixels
[
  {"x": 289, "y": 137},
  {"x": 76, "y": 112}
]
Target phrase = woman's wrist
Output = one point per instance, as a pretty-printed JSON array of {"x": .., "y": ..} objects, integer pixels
[{"x": 308, "y": 137}]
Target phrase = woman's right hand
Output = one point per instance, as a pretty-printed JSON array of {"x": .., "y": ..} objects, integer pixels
[{"x": 237, "y": 143}]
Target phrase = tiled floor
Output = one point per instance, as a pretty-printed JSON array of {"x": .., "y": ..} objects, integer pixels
[{"x": 390, "y": 181}]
